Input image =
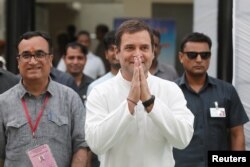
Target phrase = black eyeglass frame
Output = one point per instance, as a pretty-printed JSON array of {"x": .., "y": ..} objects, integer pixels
[
  {"x": 193, "y": 55},
  {"x": 38, "y": 55}
]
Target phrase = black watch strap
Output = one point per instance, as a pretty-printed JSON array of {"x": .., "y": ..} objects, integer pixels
[{"x": 149, "y": 101}]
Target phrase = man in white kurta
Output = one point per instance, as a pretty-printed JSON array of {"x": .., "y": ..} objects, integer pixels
[{"x": 135, "y": 119}]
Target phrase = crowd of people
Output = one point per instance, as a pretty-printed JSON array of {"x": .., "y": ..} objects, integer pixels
[{"x": 130, "y": 110}]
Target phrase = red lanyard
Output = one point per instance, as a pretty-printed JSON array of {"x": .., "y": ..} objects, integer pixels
[{"x": 33, "y": 129}]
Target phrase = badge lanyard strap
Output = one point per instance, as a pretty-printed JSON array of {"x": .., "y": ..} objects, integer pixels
[{"x": 33, "y": 129}]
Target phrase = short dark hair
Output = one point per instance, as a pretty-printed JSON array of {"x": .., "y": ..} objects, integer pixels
[
  {"x": 83, "y": 32},
  {"x": 102, "y": 28},
  {"x": 31, "y": 34},
  {"x": 157, "y": 33},
  {"x": 75, "y": 45},
  {"x": 109, "y": 39},
  {"x": 71, "y": 28},
  {"x": 132, "y": 26},
  {"x": 195, "y": 37}
]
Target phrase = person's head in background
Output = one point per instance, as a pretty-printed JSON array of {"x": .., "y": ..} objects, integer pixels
[
  {"x": 157, "y": 45},
  {"x": 71, "y": 31},
  {"x": 134, "y": 40},
  {"x": 75, "y": 58},
  {"x": 195, "y": 53},
  {"x": 83, "y": 37},
  {"x": 34, "y": 56},
  {"x": 62, "y": 40},
  {"x": 101, "y": 30},
  {"x": 109, "y": 45}
]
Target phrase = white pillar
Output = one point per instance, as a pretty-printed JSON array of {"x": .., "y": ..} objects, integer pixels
[
  {"x": 241, "y": 58},
  {"x": 205, "y": 21}
]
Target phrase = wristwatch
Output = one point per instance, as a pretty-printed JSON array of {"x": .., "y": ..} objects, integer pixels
[{"x": 149, "y": 101}]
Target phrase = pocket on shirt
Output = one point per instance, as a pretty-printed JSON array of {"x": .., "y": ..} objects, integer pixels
[
  {"x": 18, "y": 133},
  {"x": 59, "y": 120},
  {"x": 58, "y": 127}
]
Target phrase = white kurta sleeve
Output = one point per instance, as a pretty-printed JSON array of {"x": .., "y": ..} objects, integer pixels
[
  {"x": 173, "y": 119},
  {"x": 103, "y": 127}
]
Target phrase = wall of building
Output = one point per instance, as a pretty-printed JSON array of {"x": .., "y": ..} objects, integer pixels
[
  {"x": 92, "y": 14},
  {"x": 241, "y": 43},
  {"x": 54, "y": 15},
  {"x": 121, "y": 8},
  {"x": 182, "y": 14},
  {"x": 2, "y": 19},
  {"x": 205, "y": 21}
]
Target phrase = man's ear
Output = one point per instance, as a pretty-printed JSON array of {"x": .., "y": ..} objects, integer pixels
[
  {"x": 106, "y": 54},
  {"x": 180, "y": 55},
  {"x": 18, "y": 59},
  {"x": 117, "y": 51},
  {"x": 51, "y": 60},
  {"x": 64, "y": 57}
]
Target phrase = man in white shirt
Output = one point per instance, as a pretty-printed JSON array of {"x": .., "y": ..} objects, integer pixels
[
  {"x": 94, "y": 66},
  {"x": 135, "y": 119}
]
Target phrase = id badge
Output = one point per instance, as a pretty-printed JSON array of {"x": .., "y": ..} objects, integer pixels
[
  {"x": 218, "y": 112},
  {"x": 41, "y": 156}
]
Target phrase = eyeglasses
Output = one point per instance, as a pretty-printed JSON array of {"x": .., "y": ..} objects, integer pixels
[
  {"x": 193, "y": 55},
  {"x": 38, "y": 55}
]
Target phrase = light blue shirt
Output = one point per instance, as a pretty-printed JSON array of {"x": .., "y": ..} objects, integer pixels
[{"x": 99, "y": 80}]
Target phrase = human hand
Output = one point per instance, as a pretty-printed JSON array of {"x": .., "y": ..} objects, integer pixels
[
  {"x": 139, "y": 87},
  {"x": 135, "y": 92},
  {"x": 145, "y": 93}
]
